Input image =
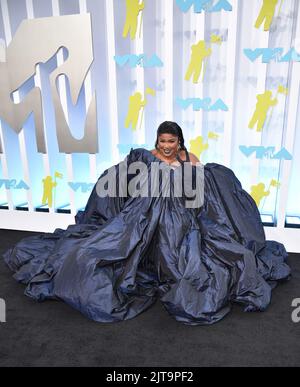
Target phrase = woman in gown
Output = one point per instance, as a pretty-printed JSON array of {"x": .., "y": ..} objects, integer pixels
[{"x": 124, "y": 253}]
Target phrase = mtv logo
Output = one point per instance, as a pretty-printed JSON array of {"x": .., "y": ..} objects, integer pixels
[
  {"x": 2, "y": 311},
  {"x": 74, "y": 34}
]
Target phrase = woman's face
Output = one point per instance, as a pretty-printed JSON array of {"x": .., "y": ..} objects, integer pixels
[{"x": 168, "y": 145}]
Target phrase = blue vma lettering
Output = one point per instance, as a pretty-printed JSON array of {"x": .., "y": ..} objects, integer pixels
[
  {"x": 12, "y": 184},
  {"x": 204, "y": 104},
  {"x": 204, "y": 5},
  {"x": 265, "y": 152},
  {"x": 269, "y": 54},
  {"x": 85, "y": 187},
  {"x": 138, "y": 60}
]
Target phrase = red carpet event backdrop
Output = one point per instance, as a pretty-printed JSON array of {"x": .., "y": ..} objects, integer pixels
[{"x": 84, "y": 81}]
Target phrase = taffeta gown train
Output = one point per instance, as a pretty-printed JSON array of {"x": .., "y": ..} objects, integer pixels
[{"x": 124, "y": 253}]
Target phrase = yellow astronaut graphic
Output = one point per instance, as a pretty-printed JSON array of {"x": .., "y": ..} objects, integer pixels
[
  {"x": 48, "y": 185},
  {"x": 264, "y": 102},
  {"x": 258, "y": 191},
  {"x": 266, "y": 14},
  {"x": 196, "y": 66},
  {"x": 198, "y": 144},
  {"x": 136, "y": 108},
  {"x": 133, "y": 8},
  {"x": 200, "y": 53},
  {"x": 136, "y": 104}
]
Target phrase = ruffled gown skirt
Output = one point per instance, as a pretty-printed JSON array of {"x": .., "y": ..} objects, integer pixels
[{"x": 125, "y": 253}]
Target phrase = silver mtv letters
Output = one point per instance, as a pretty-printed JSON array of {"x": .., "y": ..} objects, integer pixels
[
  {"x": 2, "y": 310},
  {"x": 36, "y": 41},
  {"x": 16, "y": 113}
]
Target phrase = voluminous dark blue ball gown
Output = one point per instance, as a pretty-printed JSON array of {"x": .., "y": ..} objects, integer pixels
[{"x": 124, "y": 253}]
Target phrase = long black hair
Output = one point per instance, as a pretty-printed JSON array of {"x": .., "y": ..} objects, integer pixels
[{"x": 170, "y": 127}]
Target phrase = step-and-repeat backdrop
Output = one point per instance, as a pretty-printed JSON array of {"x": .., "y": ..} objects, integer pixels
[{"x": 83, "y": 81}]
